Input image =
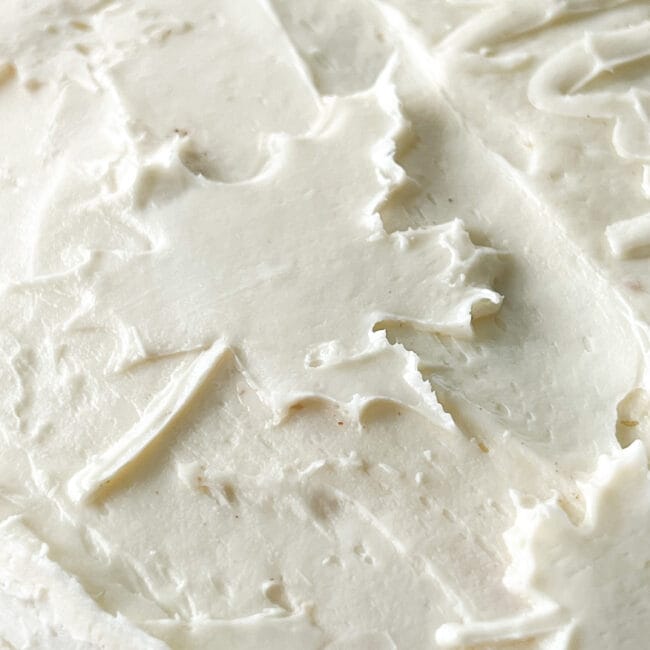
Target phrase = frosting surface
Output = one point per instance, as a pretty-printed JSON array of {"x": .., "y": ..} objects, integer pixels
[{"x": 324, "y": 325}]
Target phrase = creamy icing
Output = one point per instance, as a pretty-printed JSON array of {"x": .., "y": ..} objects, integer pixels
[{"x": 324, "y": 324}]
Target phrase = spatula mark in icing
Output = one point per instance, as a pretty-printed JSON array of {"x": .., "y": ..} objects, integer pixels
[
  {"x": 158, "y": 416},
  {"x": 516, "y": 628},
  {"x": 300, "y": 271},
  {"x": 561, "y": 85},
  {"x": 504, "y": 21},
  {"x": 45, "y": 598}
]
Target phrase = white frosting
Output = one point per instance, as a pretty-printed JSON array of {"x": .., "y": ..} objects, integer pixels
[
  {"x": 324, "y": 325},
  {"x": 577, "y": 576}
]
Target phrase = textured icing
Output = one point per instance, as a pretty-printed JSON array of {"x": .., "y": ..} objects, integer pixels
[{"x": 324, "y": 324}]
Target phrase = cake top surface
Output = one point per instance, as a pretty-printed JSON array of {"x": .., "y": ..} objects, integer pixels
[{"x": 324, "y": 325}]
